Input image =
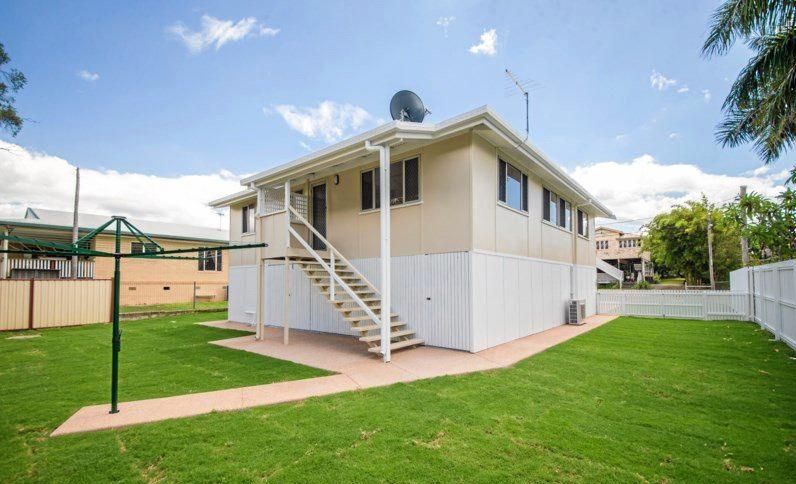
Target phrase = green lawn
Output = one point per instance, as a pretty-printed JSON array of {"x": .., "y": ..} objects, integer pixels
[
  {"x": 204, "y": 305},
  {"x": 675, "y": 281},
  {"x": 635, "y": 400}
]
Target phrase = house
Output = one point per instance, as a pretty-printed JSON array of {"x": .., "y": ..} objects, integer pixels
[
  {"x": 144, "y": 281},
  {"x": 622, "y": 250},
  {"x": 480, "y": 238}
]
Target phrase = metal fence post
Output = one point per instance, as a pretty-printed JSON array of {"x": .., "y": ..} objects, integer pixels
[{"x": 194, "y": 295}]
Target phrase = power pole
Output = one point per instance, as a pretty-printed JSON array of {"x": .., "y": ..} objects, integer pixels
[
  {"x": 744, "y": 241},
  {"x": 75, "y": 222},
  {"x": 710, "y": 250}
]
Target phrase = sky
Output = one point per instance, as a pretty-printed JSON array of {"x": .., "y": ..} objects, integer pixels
[{"x": 165, "y": 106}]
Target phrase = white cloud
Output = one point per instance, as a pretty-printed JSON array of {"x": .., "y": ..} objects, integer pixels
[
  {"x": 674, "y": 135},
  {"x": 305, "y": 146},
  {"x": 683, "y": 90},
  {"x": 39, "y": 180},
  {"x": 219, "y": 32},
  {"x": 661, "y": 82},
  {"x": 706, "y": 95},
  {"x": 645, "y": 187},
  {"x": 621, "y": 137},
  {"x": 488, "y": 44},
  {"x": 445, "y": 22},
  {"x": 88, "y": 76},
  {"x": 329, "y": 120}
]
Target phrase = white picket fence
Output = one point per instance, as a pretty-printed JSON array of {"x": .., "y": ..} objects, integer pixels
[
  {"x": 765, "y": 294},
  {"x": 774, "y": 303},
  {"x": 708, "y": 305}
]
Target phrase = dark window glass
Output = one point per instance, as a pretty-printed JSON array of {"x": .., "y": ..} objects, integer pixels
[
  {"x": 367, "y": 190},
  {"x": 137, "y": 248},
  {"x": 524, "y": 192},
  {"x": 502, "y": 181},
  {"x": 377, "y": 191},
  {"x": 546, "y": 204},
  {"x": 210, "y": 262},
  {"x": 583, "y": 223},
  {"x": 396, "y": 183},
  {"x": 412, "y": 180},
  {"x": 244, "y": 228},
  {"x": 218, "y": 259}
]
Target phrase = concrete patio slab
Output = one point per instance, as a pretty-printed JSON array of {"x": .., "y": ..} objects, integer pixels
[{"x": 344, "y": 355}]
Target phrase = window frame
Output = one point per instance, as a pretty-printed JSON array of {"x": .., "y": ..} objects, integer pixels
[
  {"x": 144, "y": 248},
  {"x": 246, "y": 218},
  {"x": 217, "y": 260},
  {"x": 578, "y": 213},
  {"x": 376, "y": 184},
  {"x": 524, "y": 189}
]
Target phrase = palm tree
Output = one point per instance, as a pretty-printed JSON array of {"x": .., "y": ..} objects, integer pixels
[{"x": 761, "y": 106}]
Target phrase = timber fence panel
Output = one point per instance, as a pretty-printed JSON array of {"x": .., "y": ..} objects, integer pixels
[{"x": 14, "y": 304}]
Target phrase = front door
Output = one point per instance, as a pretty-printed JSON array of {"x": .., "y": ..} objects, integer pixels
[{"x": 319, "y": 214}]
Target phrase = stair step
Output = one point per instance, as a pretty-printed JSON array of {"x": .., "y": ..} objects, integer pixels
[
  {"x": 367, "y": 318},
  {"x": 394, "y": 334},
  {"x": 363, "y": 299},
  {"x": 326, "y": 277},
  {"x": 398, "y": 345},
  {"x": 326, "y": 284},
  {"x": 358, "y": 292},
  {"x": 371, "y": 327}
]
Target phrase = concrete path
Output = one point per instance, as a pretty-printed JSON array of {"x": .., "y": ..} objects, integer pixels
[{"x": 344, "y": 355}]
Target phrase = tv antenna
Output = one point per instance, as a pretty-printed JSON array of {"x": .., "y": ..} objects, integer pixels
[{"x": 524, "y": 93}]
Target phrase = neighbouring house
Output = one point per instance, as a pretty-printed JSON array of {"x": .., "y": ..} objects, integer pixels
[
  {"x": 621, "y": 250},
  {"x": 481, "y": 238},
  {"x": 144, "y": 281}
]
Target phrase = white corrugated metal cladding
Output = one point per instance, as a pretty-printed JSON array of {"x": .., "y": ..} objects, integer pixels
[{"x": 462, "y": 300}]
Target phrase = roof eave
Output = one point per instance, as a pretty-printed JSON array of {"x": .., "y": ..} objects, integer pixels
[{"x": 233, "y": 198}]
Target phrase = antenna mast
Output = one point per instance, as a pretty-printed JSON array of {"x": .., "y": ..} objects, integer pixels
[{"x": 527, "y": 109}]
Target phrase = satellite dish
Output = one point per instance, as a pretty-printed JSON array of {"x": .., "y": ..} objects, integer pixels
[{"x": 407, "y": 106}]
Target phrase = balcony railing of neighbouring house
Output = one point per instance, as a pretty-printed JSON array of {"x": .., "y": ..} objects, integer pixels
[{"x": 49, "y": 269}]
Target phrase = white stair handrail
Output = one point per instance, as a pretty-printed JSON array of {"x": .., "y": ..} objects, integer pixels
[
  {"x": 610, "y": 270},
  {"x": 332, "y": 248},
  {"x": 337, "y": 278}
]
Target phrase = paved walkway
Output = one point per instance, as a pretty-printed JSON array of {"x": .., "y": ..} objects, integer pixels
[{"x": 344, "y": 355}]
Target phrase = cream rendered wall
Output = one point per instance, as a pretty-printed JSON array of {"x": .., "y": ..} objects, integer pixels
[
  {"x": 439, "y": 223},
  {"x": 241, "y": 257},
  {"x": 498, "y": 228}
]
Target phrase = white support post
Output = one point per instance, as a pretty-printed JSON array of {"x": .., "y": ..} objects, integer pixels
[
  {"x": 331, "y": 278},
  {"x": 384, "y": 162},
  {"x": 260, "y": 269},
  {"x": 573, "y": 278},
  {"x": 286, "y": 318},
  {"x": 4, "y": 260}
]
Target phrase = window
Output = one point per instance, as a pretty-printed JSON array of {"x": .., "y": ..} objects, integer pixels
[
  {"x": 404, "y": 184},
  {"x": 247, "y": 222},
  {"x": 564, "y": 214},
  {"x": 210, "y": 260},
  {"x": 140, "y": 248},
  {"x": 602, "y": 244},
  {"x": 512, "y": 186},
  {"x": 556, "y": 210},
  {"x": 583, "y": 223},
  {"x": 550, "y": 206}
]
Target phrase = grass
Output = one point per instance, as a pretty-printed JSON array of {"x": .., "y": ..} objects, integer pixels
[
  {"x": 634, "y": 400},
  {"x": 674, "y": 281},
  {"x": 44, "y": 380},
  {"x": 186, "y": 307}
]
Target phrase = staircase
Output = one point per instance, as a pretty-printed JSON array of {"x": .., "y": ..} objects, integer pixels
[
  {"x": 369, "y": 331},
  {"x": 351, "y": 294}
]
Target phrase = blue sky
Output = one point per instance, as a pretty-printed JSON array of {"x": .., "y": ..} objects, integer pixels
[{"x": 609, "y": 82}]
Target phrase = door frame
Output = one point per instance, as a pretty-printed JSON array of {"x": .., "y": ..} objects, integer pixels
[{"x": 311, "y": 208}]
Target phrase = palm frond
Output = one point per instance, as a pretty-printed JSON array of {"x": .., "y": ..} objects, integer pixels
[{"x": 736, "y": 19}]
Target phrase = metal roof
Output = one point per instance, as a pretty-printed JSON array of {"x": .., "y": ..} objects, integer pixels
[
  {"x": 483, "y": 118},
  {"x": 61, "y": 220}
]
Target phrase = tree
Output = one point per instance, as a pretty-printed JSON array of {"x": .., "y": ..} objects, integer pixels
[
  {"x": 768, "y": 224},
  {"x": 11, "y": 81},
  {"x": 677, "y": 241},
  {"x": 760, "y": 105}
]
